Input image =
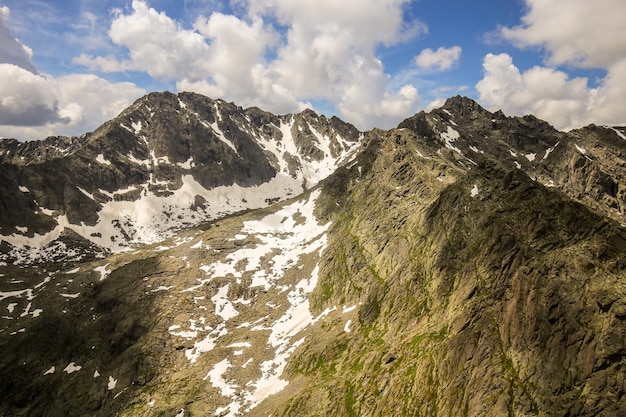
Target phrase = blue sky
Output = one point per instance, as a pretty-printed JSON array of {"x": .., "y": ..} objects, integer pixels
[{"x": 68, "y": 66}]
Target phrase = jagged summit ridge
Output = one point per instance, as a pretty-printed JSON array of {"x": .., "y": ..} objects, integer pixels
[
  {"x": 171, "y": 161},
  {"x": 581, "y": 163},
  {"x": 462, "y": 106}
]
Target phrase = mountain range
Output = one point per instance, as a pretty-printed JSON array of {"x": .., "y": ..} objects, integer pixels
[{"x": 194, "y": 258}]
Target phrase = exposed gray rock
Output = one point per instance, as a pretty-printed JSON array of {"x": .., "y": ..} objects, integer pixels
[{"x": 176, "y": 160}]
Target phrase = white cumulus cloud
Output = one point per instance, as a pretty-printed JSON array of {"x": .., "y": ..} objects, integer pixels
[
  {"x": 35, "y": 105},
  {"x": 39, "y": 105},
  {"x": 279, "y": 55},
  {"x": 12, "y": 51},
  {"x": 328, "y": 53},
  {"x": 573, "y": 33},
  {"x": 580, "y": 32},
  {"x": 442, "y": 59},
  {"x": 25, "y": 98},
  {"x": 551, "y": 95},
  {"x": 156, "y": 44}
]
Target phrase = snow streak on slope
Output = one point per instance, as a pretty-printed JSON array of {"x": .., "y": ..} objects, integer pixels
[
  {"x": 152, "y": 218},
  {"x": 260, "y": 305},
  {"x": 309, "y": 171}
]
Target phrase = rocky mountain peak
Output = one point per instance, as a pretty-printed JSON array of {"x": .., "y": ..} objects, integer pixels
[
  {"x": 463, "y": 106},
  {"x": 184, "y": 158}
]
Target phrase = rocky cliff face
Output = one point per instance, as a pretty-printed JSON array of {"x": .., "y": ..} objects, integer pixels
[
  {"x": 587, "y": 164},
  {"x": 166, "y": 163},
  {"x": 479, "y": 294},
  {"x": 466, "y": 263}
]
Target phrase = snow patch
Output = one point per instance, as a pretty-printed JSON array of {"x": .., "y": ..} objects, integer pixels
[
  {"x": 346, "y": 328},
  {"x": 474, "y": 191},
  {"x": 531, "y": 156},
  {"x": 223, "y": 307},
  {"x": 103, "y": 271},
  {"x": 188, "y": 164},
  {"x": 581, "y": 149},
  {"x": 87, "y": 193},
  {"x": 207, "y": 344},
  {"x": 216, "y": 377},
  {"x": 349, "y": 309},
  {"x": 23, "y": 189},
  {"x": 131, "y": 158},
  {"x": 220, "y": 135},
  {"x": 50, "y": 371},
  {"x": 449, "y": 137},
  {"x": 240, "y": 345},
  {"x": 70, "y": 295},
  {"x": 550, "y": 150},
  {"x": 101, "y": 160},
  {"x": 112, "y": 383},
  {"x": 136, "y": 126},
  {"x": 72, "y": 367}
]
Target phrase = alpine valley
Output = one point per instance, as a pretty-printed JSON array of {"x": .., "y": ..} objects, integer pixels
[{"x": 194, "y": 258}]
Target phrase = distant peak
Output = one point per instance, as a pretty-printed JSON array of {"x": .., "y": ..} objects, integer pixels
[
  {"x": 462, "y": 105},
  {"x": 309, "y": 111}
]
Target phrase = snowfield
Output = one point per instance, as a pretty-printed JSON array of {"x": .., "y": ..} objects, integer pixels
[{"x": 283, "y": 239}]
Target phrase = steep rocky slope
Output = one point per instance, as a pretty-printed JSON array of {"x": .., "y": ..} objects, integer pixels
[
  {"x": 166, "y": 163},
  {"x": 587, "y": 164},
  {"x": 466, "y": 263},
  {"x": 479, "y": 294}
]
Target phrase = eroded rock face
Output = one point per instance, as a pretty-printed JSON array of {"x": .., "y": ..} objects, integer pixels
[
  {"x": 486, "y": 293},
  {"x": 166, "y": 163}
]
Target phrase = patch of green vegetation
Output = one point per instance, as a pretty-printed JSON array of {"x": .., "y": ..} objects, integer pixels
[
  {"x": 438, "y": 336},
  {"x": 327, "y": 289},
  {"x": 357, "y": 366},
  {"x": 325, "y": 362},
  {"x": 295, "y": 406},
  {"x": 350, "y": 401},
  {"x": 514, "y": 379},
  {"x": 330, "y": 324}
]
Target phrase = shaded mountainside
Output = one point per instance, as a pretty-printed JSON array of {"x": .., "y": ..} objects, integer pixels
[
  {"x": 466, "y": 263},
  {"x": 166, "y": 163}
]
